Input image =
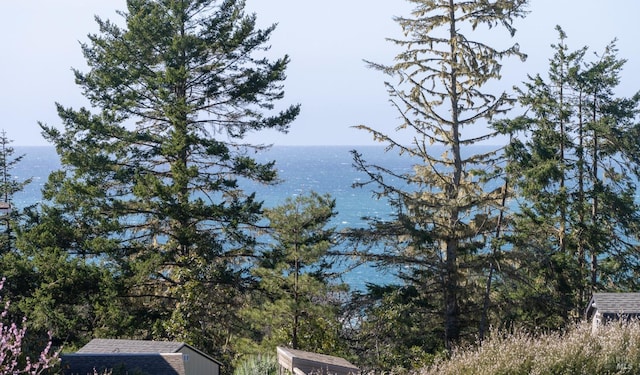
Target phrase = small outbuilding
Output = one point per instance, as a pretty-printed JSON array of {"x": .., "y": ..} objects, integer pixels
[
  {"x": 139, "y": 357},
  {"x": 605, "y": 307},
  {"x": 298, "y": 362}
]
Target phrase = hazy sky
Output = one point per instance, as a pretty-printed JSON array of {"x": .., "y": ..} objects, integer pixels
[{"x": 326, "y": 40}]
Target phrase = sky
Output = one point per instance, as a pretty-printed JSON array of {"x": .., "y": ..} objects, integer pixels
[{"x": 327, "y": 42}]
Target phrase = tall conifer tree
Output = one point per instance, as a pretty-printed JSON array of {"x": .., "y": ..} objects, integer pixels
[
  {"x": 575, "y": 168},
  {"x": 151, "y": 175},
  {"x": 447, "y": 211},
  {"x": 297, "y": 280},
  {"x": 546, "y": 163},
  {"x": 9, "y": 186}
]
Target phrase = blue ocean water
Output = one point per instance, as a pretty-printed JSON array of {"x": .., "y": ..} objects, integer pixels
[{"x": 323, "y": 169}]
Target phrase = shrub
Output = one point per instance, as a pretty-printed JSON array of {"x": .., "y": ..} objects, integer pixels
[
  {"x": 12, "y": 358},
  {"x": 257, "y": 364}
]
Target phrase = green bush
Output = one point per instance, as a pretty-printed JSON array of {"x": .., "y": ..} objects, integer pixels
[
  {"x": 611, "y": 349},
  {"x": 257, "y": 364}
]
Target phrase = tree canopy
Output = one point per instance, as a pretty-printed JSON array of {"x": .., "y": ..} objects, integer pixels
[
  {"x": 449, "y": 208},
  {"x": 151, "y": 184}
]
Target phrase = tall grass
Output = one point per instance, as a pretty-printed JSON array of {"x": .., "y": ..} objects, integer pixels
[
  {"x": 612, "y": 349},
  {"x": 258, "y": 364}
]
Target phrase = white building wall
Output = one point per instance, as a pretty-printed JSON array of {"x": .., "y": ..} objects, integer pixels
[{"x": 197, "y": 364}]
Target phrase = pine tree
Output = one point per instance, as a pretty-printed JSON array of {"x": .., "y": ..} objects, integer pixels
[
  {"x": 546, "y": 163},
  {"x": 297, "y": 279},
  {"x": 447, "y": 212},
  {"x": 9, "y": 186},
  {"x": 574, "y": 167},
  {"x": 57, "y": 293},
  {"x": 151, "y": 178},
  {"x": 608, "y": 143},
  {"x": 13, "y": 265}
]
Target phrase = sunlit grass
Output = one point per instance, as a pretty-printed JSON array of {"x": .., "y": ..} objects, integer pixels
[
  {"x": 612, "y": 349},
  {"x": 261, "y": 364}
]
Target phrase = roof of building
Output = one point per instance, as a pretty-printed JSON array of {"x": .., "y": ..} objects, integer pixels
[
  {"x": 131, "y": 346},
  {"x": 146, "y": 363},
  {"x": 614, "y": 304},
  {"x": 293, "y": 359},
  {"x": 115, "y": 346}
]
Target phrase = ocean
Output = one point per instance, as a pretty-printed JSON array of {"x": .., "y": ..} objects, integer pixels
[{"x": 302, "y": 169}]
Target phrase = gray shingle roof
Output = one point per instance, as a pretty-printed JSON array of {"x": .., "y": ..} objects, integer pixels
[
  {"x": 147, "y": 363},
  {"x": 308, "y": 362},
  {"x": 107, "y": 346},
  {"x": 614, "y": 304},
  {"x": 144, "y": 356}
]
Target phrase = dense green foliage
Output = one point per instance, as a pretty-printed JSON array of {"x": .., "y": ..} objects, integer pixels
[
  {"x": 9, "y": 186},
  {"x": 298, "y": 297},
  {"x": 151, "y": 182},
  {"x": 574, "y": 166}
]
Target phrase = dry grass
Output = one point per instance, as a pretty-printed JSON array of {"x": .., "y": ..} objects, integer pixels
[{"x": 613, "y": 349}]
